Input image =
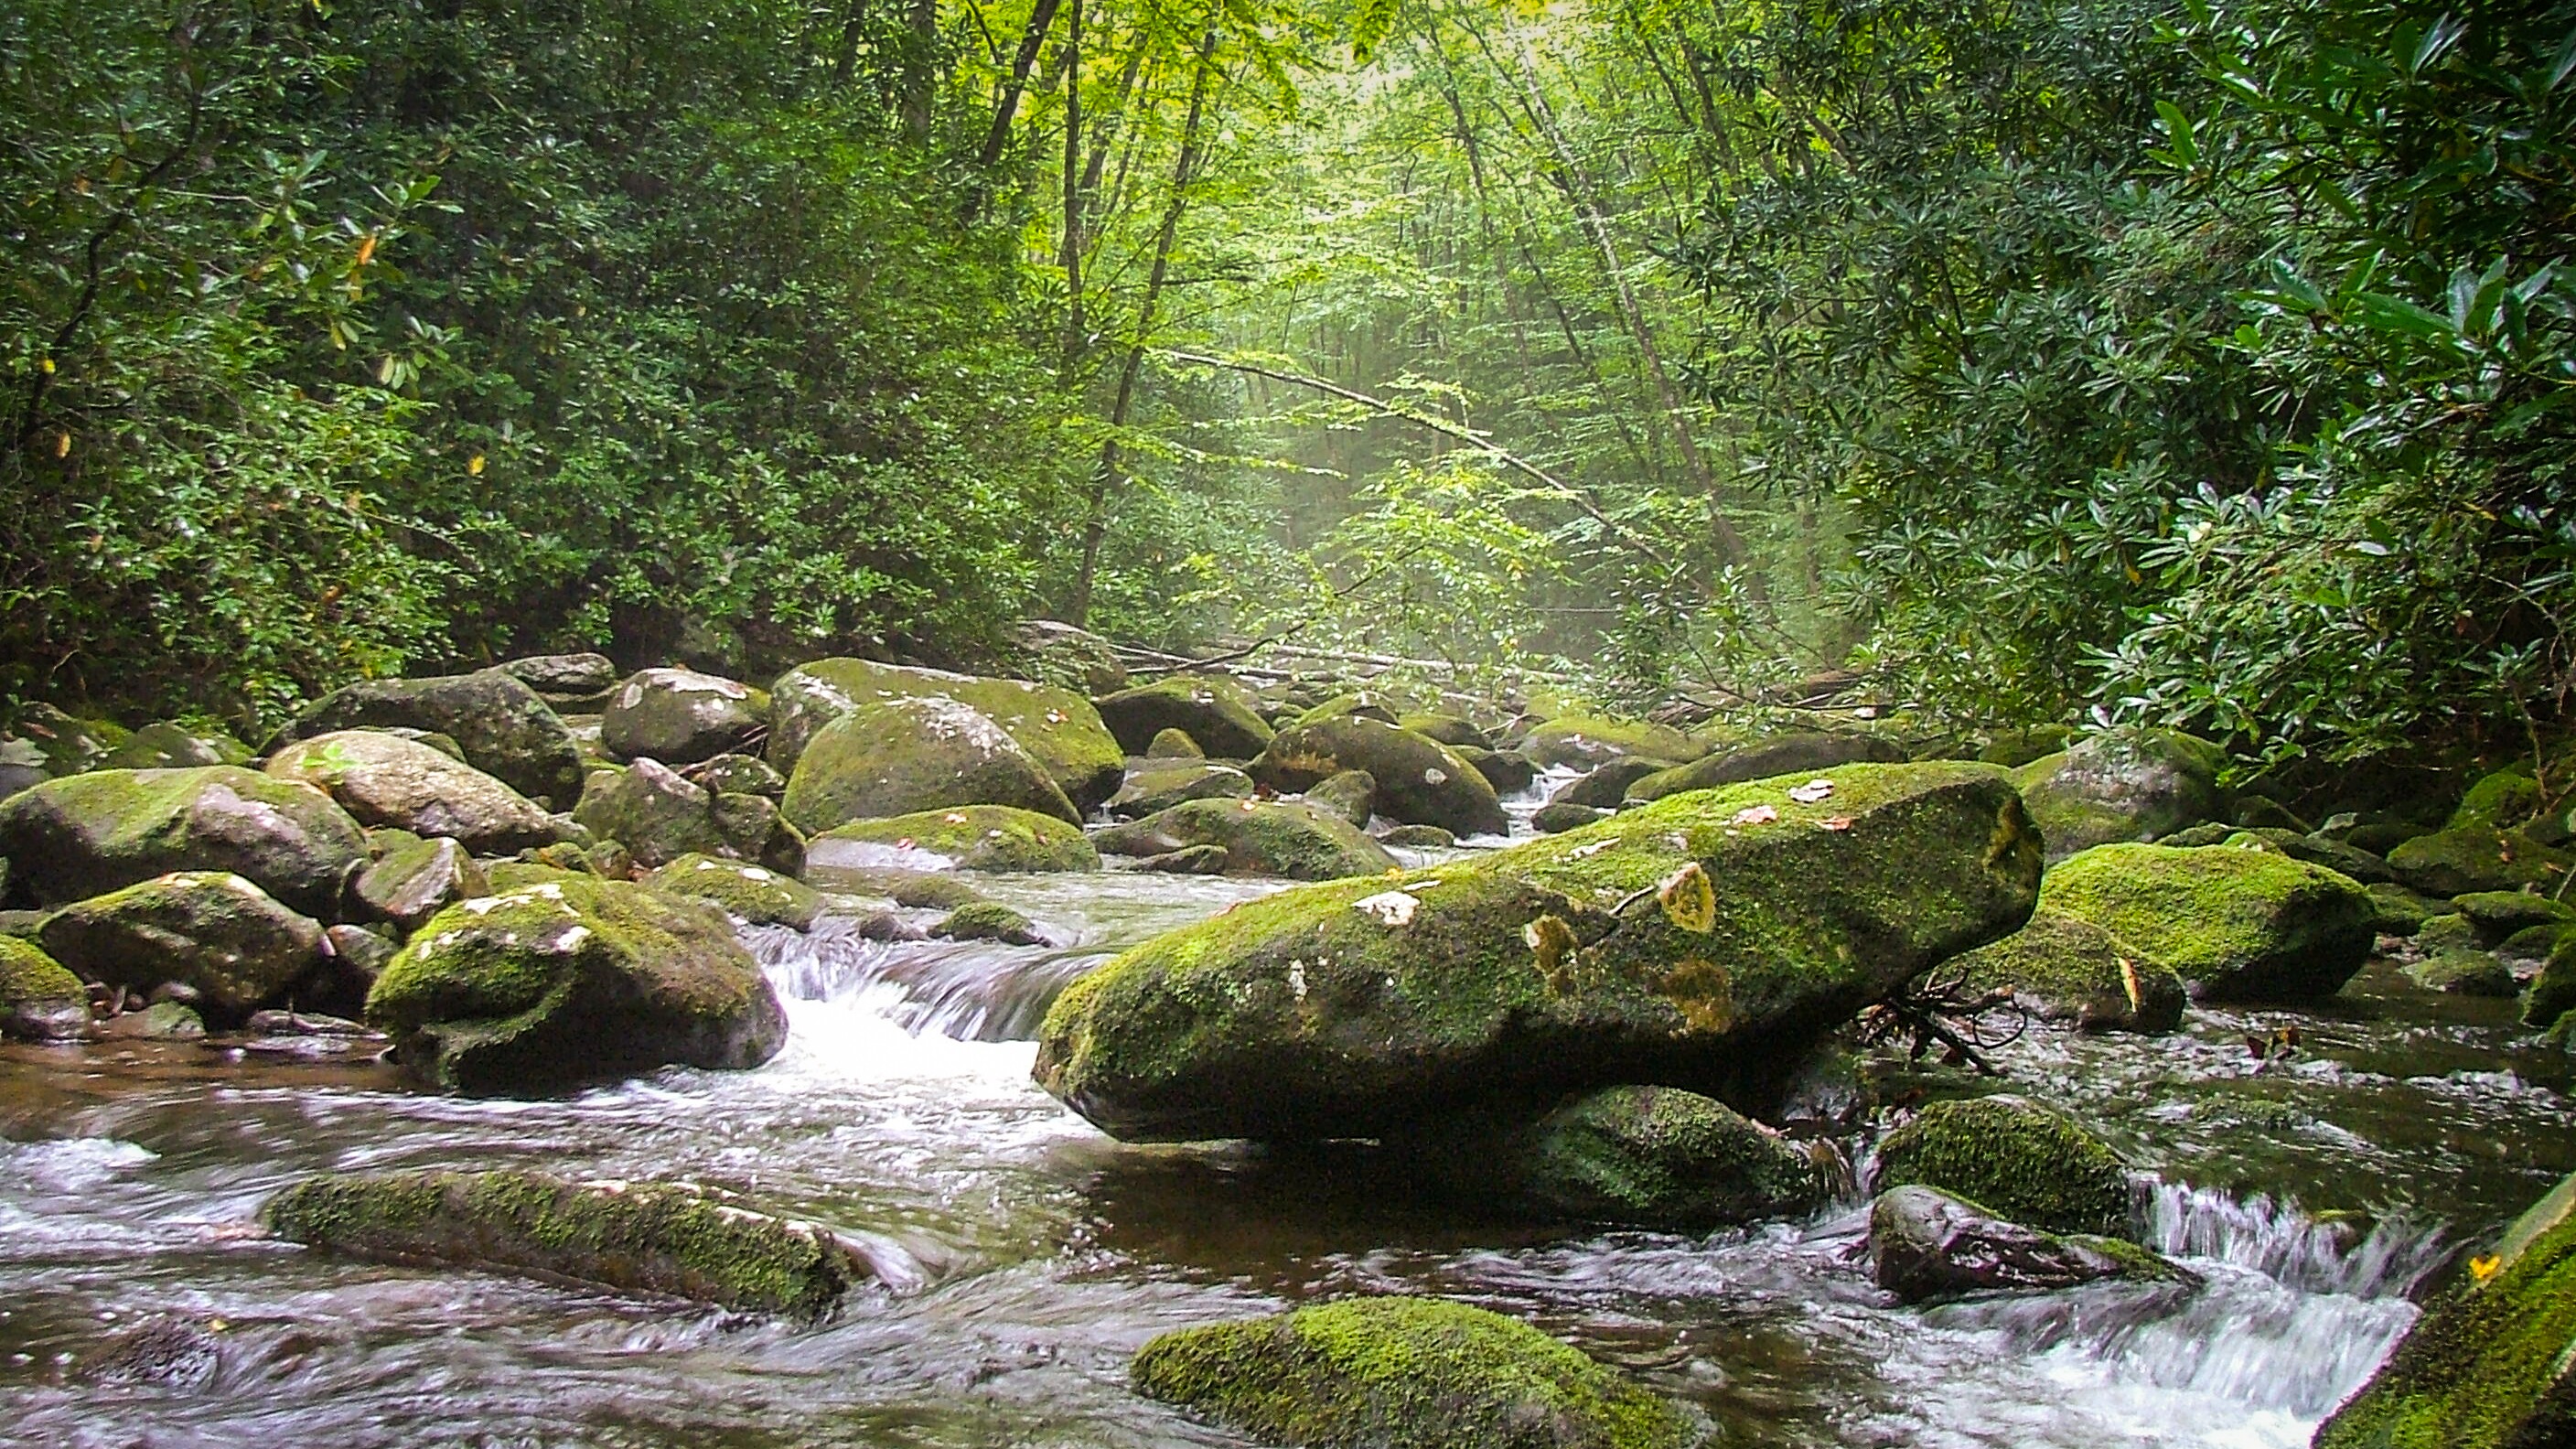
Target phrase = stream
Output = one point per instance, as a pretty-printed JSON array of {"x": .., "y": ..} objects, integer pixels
[{"x": 1024, "y": 1256}]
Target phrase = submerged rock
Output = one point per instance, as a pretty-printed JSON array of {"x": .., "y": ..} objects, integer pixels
[
  {"x": 1788, "y": 755},
  {"x": 1405, "y": 1373},
  {"x": 752, "y": 893},
  {"x": 384, "y": 780},
  {"x": 1926, "y": 1245},
  {"x": 2063, "y": 969},
  {"x": 1704, "y": 941},
  {"x": 2114, "y": 788},
  {"x": 680, "y": 717},
  {"x": 1056, "y": 727},
  {"x": 224, "y": 939},
  {"x": 572, "y": 981},
  {"x": 1157, "y": 785},
  {"x": 670, "y": 1240},
  {"x": 1420, "y": 781},
  {"x": 1657, "y": 1157},
  {"x": 506, "y": 731},
  {"x": 1259, "y": 837},
  {"x": 40, "y": 1000},
  {"x": 95, "y": 833},
  {"x": 2235, "y": 924},
  {"x": 971, "y": 837},
  {"x": 2031, "y": 1164},
  {"x": 989, "y": 921},
  {"x": 165, "y": 1351},
  {"x": 1214, "y": 711},
  {"x": 903, "y": 756},
  {"x": 2489, "y": 1365}
]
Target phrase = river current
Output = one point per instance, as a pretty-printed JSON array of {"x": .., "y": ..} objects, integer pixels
[{"x": 1024, "y": 1256}]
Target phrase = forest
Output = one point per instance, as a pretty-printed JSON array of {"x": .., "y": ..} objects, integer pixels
[{"x": 1334, "y": 724}]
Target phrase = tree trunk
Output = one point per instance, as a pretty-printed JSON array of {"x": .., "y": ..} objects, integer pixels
[
  {"x": 920, "y": 61},
  {"x": 997, "y": 137}
]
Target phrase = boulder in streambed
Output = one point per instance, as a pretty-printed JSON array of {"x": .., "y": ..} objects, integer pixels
[
  {"x": 661, "y": 1239},
  {"x": 417, "y": 879},
  {"x": 2062, "y": 969},
  {"x": 1158, "y": 785},
  {"x": 1056, "y": 727},
  {"x": 1507, "y": 771},
  {"x": 40, "y": 1000},
  {"x": 1174, "y": 745},
  {"x": 737, "y": 775},
  {"x": 1557, "y": 817},
  {"x": 1405, "y": 1373},
  {"x": 1926, "y": 1245},
  {"x": 660, "y": 816},
  {"x": 384, "y": 780},
  {"x": 1644, "y": 1157},
  {"x": 970, "y": 837},
  {"x": 1351, "y": 794},
  {"x": 1587, "y": 740},
  {"x": 1787, "y": 755},
  {"x": 1420, "y": 781},
  {"x": 2015, "y": 1157},
  {"x": 175, "y": 747},
  {"x": 989, "y": 921},
  {"x": 229, "y": 943},
  {"x": 2126, "y": 787},
  {"x": 1259, "y": 837},
  {"x": 2474, "y": 859},
  {"x": 505, "y": 730},
  {"x": 1605, "y": 786},
  {"x": 903, "y": 756},
  {"x": 2234, "y": 924},
  {"x": 747, "y": 892},
  {"x": 566, "y": 681},
  {"x": 94, "y": 833},
  {"x": 1212, "y": 710},
  {"x": 1455, "y": 731},
  {"x": 571, "y": 981},
  {"x": 680, "y": 717},
  {"x": 2492, "y": 1363},
  {"x": 1704, "y": 941}
]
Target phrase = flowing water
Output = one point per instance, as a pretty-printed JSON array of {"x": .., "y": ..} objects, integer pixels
[{"x": 1025, "y": 1256}]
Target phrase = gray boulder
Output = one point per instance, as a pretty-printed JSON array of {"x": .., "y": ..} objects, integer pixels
[
  {"x": 660, "y": 816},
  {"x": 231, "y": 945},
  {"x": 1420, "y": 781},
  {"x": 1926, "y": 1245},
  {"x": 1259, "y": 837},
  {"x": 90, "y": 834},
  {"x": 680, "y": 717},
  {"x": 1158, "y": 785},
  {"x": 416, "y": 881},
  {"x": 504, "y": 728},
  {"x": 910, "y": 754},
  {"x": 1214, "y": 711},
  {"x": 384, "y": 780},
  {"x": 2127, "y": 787}
]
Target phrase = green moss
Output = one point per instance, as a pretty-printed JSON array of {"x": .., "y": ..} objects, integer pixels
[
  {"x": 1173, "y": 745},
  {"x": 969, "y": 837},
  {"x": 1662, "y": 1157},
  {"x": 2463, "y": 973},
  {"x": 2126, "y": 787},
  {"x": 2553, "y": 991},
  {"x": 71, "y": 839},
  {"x": 39, "y": 999},
  {"x": 1589, "y": 739},
  {"x": 663, "y": 1239},
  {"x": 1260, "y": 837},
  {"x": 894, "y": 757},
  {"x": 2022, "y": 1161},
  {"x": 2499, "y": 801},
  {"x": 2015, "y": 748},
  {"x": 2499, "y": 914},
  {"x": 2450, "y": 931},
  {"x": 1216, "y": 712},
  {"x": 2070, "y": 970},
  {"x": 2477, "y": 858},
  {"x": 1405, "y": 1373},
  {"x": 988, "y": 921},
  {"x": 2234, "y": 924},
  {"x": 2490, "y": 1366},
  {"x": 763, "y": 897},
  {"x": 921, "y": 890},
  {"x": 2399, "y": 911},
  {"x": 1057, "y": 727}
]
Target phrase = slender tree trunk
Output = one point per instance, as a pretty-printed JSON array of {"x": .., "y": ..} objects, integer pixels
[
  {"x": 846, "y": 64},
  {"x": 1076, "y": 325},
  {"x": 920, "y": 60},
  {"x": 1104, "y": 479},
  {"x": 997, "y": 137}
]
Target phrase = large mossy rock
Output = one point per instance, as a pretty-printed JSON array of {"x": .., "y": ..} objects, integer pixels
[
  {"x": 2130, "y": 787},
  {"x": 2470, "y": 859},
  {"x": 1259, "y": 837},
  {"x": 660, "y": 817},
  {"x": 1156, "y": 785},
  {"x": 1420, "y": 781},
  {"x": 85, "y": 836},
  {"x": 563, "y": 680},
  {"x": 680, "y": 717},
  {"x": 1704, "y": 941},
  {"x": 1926, "y": 1245},
  {"x": 971, "y": 837},
  {"x": 666, "y": 1240},
  {"x": 386, "y": 780},
  {"x": 1790, "y": 754},
  {"x": 1605, "y": 786},
  {"x": 40, "y": 999},
  {"x": 1214, "y": 711},
  {"x": 2062, "y": 969},
  {"x": 1658, "y": 1157},
  {"x": 70, "y": 745},
  {"x": 1588, "y": 740},
  {"x": 907, "y": 755},
  {"x": 218, "y": 935},
  {"x": 504, "y": 728},
  {"x": 2234, "y": 924},
  {"x": 1058, "y": 728},
  {"x": 2490, "y": 1366},
  {"x": 752, "y": 893},
  {"x": 416, "y": 879},
  {"x": 1405, "y": 1373},
  {"x": 572, "y": 981},
  {"x": 2017, "y": 1158},
  {"x": 1074, "y": 658},
  {"x": 175, "y": 747}
]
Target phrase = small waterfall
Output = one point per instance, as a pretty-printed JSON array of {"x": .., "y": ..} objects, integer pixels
[
  {"x": 2293, "y": 1249},
  {"x": 966, "y": 990}
]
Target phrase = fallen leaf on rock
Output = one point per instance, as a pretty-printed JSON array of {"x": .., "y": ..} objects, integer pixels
[
  {"x": 1392, "y": 908},
  {"x": 1812, "y": 791},
  {"x": 1689, "y": 901},
  {"x": 1838, "y": 822},
  {"x": 1755, "y": 815}
]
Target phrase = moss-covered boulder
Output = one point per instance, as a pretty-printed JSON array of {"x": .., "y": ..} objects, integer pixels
[
  {"x": 573, "y": 981},
  {"x": 1704, "y": 942},
  {"x": 924, "y": 890},
  {"x": 2346, "y": 860},
  {"x": 1158, "y": 785},
  {"x": 2500, "y": 800},
  {"x": 2063, "y": 969},
  {"x": 1657, "y": 1157},
  {"x": 2017, "y": 1158},
  {"x": 2013, "y": 749},
  {"x": 40, "y": 1000},
  {"x": 1926, "y": 1245},
  {"x": 2478, "y": 858},
  {"x": 1061, "y": 654},
  {"x": 2498, "y": 915},
  {"x": 750, "y": 892},
  {"x": 505, "y": 730},
  {"x": 1260, "y": 837},
  {"x": 1605, "y": 786},
  {"x": 2553, "y": 991},
  {"x": 1351, "y": 795},
  {"x": 91, "y": 834},
  {"x": 737, "y": 775},
  {"x": 989, "y": 921},
  {"x": 1056, "y": 727},
  {"x": 1587, "y": 740},
  {"x": 2464, "y": 973},
  {"x": 1174, "y": 745},
  {"x": 1508, "y": 771},
  {"x": 660, "y": 816},
  {"x": 2124, "y": 787},
  {"x": 1456, "y": 731},
  {"x": 662, "y": 1239},
  {"x": 2236, "y": 925},
  {"x": 175, "y": 747},
  {"x": 2492, "y": 1365},
  {"x": 902, "y": 756},
  {"x": 1420, "y": 781},
  {"x": 385, "y": 780},
  {"x": 1215, "y": 711},
  {"x": 1805, "y": 754},
  {"x": 566, "y": 680},
  {"x": 680, "y": 717},
  {"x": 1405, "y": 1373},
  {"x": 2401, "y": 912},
  {"x": 1557, "y": 817},
  {"x": 972, "y": 837},
  {"x": 417, "y": 879},
  {"x": 214, "y": 933}
]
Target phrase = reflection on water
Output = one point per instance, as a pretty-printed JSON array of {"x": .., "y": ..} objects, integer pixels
[{"x": 1028, "y": 1255}]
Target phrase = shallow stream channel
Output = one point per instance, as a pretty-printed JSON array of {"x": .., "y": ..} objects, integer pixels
[{"x": 1024, "y": 1256}]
